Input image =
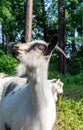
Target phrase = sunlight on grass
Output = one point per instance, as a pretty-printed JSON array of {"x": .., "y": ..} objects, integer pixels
[{"x": 70, "y": 115}]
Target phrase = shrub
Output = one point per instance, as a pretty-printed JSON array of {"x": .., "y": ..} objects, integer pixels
[{"x": 7, "y": 63}]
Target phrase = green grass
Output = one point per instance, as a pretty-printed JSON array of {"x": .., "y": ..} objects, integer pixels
[
  {"x": 70, "y": 115},
  {"x": 70, "y": 107},
  {"x": 73, "y": 91},
  {"x": 70, "y": 110}
]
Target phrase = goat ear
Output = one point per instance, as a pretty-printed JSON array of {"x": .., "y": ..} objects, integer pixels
[
  {"x": 52, "y": 44},
  {"x": 23, "y": 40},
  {"x": 54, "y": 39},
  {"x": 54, "y": 80},
  {"x": 58, "y": 77}
]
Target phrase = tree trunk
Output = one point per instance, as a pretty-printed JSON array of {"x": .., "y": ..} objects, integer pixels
[
  {"x": 28, "y": 20},
  {"x": 61, "y": 22},
  {"x": 44, "y": 21}
]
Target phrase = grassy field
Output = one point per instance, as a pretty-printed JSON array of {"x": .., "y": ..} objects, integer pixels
[
  {"x": 70, "y": 105},
  {"x": 70, "y": 110}
]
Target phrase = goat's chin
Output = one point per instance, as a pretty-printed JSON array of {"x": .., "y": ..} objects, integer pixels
[{"x": 21, "y": 70}]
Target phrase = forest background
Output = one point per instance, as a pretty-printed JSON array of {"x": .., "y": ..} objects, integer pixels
[{"x": 45, "y": 24}]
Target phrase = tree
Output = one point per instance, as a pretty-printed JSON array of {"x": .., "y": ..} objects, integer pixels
[
  {"x": 28, "y": 20},
  {"x": 61, "y": 22},
  {"x": 5, "y": 15},
  {"x": 44, "y": 20},
  {"x": 12, "y": 21}
]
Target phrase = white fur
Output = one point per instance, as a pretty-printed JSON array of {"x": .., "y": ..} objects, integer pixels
[
  {"x": 4, "y": 82},
  {"x": 57, "y": 88},
  {"x": 21, "y": 70},
  {"x": 55, "y": 84},
  {"x": 2, "y": 75}
]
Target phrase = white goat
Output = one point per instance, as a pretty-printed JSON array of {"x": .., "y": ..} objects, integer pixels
[{"x": 32, "y": 107}]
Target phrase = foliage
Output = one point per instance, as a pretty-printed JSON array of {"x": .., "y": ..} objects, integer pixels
[
  {"x": 5, "y": 10},
  {"x": 69, "y": 115},
  {"x": 75, "y": 62},
  {"x": 68, "y": 78},
  {"x": 7, "y": 63},
  {"x": 11, "y": 19}
]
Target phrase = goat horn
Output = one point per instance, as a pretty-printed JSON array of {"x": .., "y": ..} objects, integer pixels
[{"x": 60, "y": 50}]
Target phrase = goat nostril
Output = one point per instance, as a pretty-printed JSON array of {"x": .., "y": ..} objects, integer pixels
[{"x": 16, "y": 46}]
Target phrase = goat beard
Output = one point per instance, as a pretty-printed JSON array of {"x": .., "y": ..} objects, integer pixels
[{"x": 21, "y": 70}]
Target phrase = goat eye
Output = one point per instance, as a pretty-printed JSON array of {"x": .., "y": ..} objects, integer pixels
[{"x": 41, "y": 47}]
